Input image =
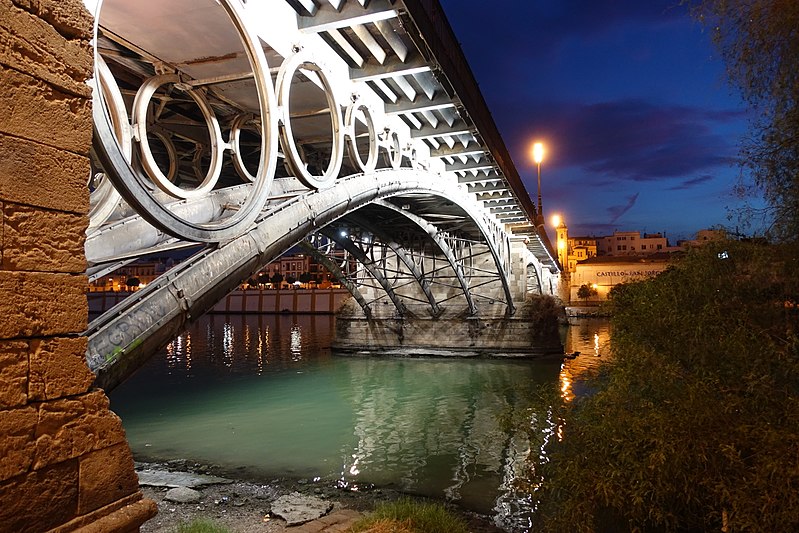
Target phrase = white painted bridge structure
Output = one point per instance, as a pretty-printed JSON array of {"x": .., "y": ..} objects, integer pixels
[{"x": 351, "y": 128}]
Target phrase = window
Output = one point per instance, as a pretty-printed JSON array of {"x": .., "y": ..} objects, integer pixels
[{"x": 660, "y": 246}]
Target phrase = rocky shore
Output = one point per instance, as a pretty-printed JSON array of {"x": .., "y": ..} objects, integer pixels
[{"x": 186, "y": 491}]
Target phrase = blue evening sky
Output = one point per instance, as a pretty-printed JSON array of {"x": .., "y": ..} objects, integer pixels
[{"x": 630, "y": 98}]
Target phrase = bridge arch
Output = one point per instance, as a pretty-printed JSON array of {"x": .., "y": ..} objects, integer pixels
[{"x": 123, "y": 337}]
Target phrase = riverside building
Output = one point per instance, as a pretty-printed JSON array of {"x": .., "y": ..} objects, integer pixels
[{"x": 601, "y": 263}]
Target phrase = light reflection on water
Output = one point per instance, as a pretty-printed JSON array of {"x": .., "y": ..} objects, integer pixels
[
  {"x": 264, "y": 394},
  {"x": 590, "y": 337}
]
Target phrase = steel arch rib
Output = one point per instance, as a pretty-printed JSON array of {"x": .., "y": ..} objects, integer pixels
[
  {"x": 424, "y": 285},
  {"x": 477, "y": 218},
  {"x": 338, "y": 274},
  {"x": 358, "y": 254},
  {"x": 442, "y": 245}
]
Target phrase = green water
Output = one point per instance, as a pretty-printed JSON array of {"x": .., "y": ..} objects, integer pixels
[{"x": 264, "y": 395}]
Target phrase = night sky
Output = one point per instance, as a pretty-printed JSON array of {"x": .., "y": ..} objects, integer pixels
[{"x": 630, "y": 98}]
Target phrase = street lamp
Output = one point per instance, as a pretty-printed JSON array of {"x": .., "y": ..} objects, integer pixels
[{"x": 538, "y": 156}]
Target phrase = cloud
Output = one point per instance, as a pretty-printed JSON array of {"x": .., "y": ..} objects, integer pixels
[
  {"x": 617, "y": 211},
  {"x": 687, "y": 184},
  {"x": 591, "y": 228},
  {"x": 628, "y": 140}
]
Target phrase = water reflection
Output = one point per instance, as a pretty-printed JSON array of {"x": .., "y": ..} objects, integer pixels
[
  {"x": 296, "y": 343},
  {"x": 265, "y": 393},
  {"x": 590, "y": 337},
  {"x": 178, "y": 353}
]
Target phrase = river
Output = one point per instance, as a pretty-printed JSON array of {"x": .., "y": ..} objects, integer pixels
[{"x": 263, "y": 396}]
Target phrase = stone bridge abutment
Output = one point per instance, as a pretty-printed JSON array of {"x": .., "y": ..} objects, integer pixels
[{"x": 64, "y": 462}]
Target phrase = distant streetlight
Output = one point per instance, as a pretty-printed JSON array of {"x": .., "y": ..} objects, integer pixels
[{"x": 538, "y": 157}]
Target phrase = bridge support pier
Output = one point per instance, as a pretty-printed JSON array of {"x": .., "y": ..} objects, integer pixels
[
  {"x": 527, "y": 334},
  {"x": 469, "y": 337},
  {"x": 64, "y": 462}
]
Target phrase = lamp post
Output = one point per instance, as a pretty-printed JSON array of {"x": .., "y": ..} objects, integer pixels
[{"x": 538, "y": 157}]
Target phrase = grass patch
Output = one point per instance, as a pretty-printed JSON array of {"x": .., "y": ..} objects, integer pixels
[
  {"x": 200, "y": 525},
  {"x": 409, "y": 516}
]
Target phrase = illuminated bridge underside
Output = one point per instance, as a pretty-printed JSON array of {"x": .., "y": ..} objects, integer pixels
[{"x": 351, "y": 127}]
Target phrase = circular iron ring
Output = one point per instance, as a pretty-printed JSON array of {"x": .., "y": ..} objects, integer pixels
[{"x": 293, "y": 160}]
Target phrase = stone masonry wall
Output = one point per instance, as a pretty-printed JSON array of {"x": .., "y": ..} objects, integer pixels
[{"x": 64, "y": 461}]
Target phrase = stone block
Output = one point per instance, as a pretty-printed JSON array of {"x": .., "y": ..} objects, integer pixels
[
  {"x": 106, "y": 476},
  {"x": 70, "y": 428},
  {"x": 69, "y": 17},
  {"x": 42, "y": 241},
  {"x": 18, "y": 445},
  {"x": 32, "y": 45},
  {"x": 35, "y": 304},
  {"x": 58, "y": 368},
  {"x": 39, "y": 501},
  {"x": 34, "y": 110},
  {"x": 123, "y": 516},
  {"x": 13, "y": 373},
  {"x": 28, "y": 169}
]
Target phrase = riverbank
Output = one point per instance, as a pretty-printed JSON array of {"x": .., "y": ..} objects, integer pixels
[{"x": 251, "y": 506}]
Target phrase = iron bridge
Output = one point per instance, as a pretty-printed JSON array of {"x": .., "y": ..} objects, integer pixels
[{"x": 351, "y": 128}]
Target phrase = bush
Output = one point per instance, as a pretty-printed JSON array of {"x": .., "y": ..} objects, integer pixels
[
  {"x": 586, "y": 291},
  {"x": 693, "y": 425},
  {"x": 544, "y": 313},
  {"x": 410, "y": 516}
]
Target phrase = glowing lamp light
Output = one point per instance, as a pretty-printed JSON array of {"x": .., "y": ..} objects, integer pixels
[
  {"x": 556, "y": 220},
  {"x": 561, "y": 244},
  {"x": 538, "y": 153}
]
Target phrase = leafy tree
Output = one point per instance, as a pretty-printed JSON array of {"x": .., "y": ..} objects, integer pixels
[
  {"x": 586, "y": 291},
  {"x": 693, "y": 423},
  {"x": 252, "y": 283},
  {"x": 132, "y": 282},
  {"x": 759, "y": 42},
  {"x": 290, "y": 280},
  {"x": 276, "y": 279},
  {"x": 306, "y": 277},
  {"x": 263, "y": 278}
]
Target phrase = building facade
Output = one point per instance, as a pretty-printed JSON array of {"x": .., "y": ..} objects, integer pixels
[
  {"x": 623, "y": 243},
  {"x": 604, "y": 273}
]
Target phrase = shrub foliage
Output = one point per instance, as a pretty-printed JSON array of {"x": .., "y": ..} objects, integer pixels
[{"x": 694, "y": 425}]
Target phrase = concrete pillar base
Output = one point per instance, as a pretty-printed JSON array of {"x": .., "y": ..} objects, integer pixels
[{"x": 457, "y": 337}]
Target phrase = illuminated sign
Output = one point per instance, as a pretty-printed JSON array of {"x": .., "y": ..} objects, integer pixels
[{"x": 627, "y": 273}]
